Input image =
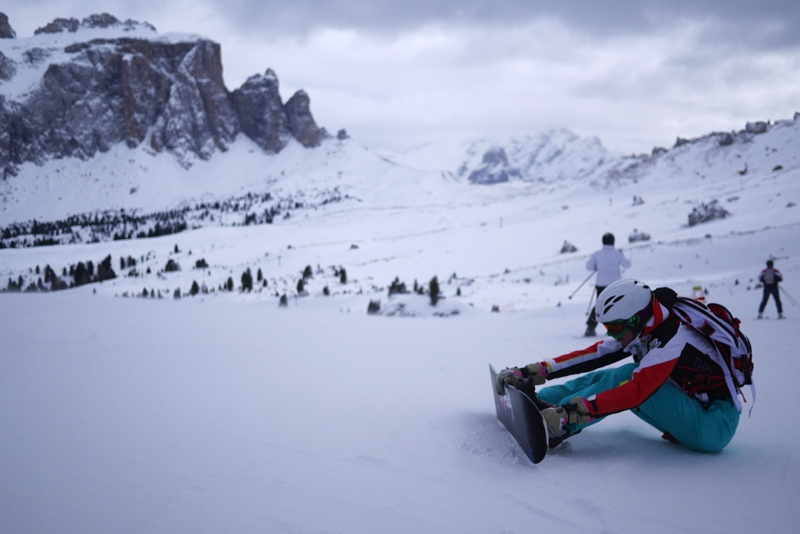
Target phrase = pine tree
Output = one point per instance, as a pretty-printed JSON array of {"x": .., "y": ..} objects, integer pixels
[
  {"x": 433, "y": 289},
  {"x": 247, "y": 280},
  {"x": 343, "y": 276},
  {"x": 195, "y": 288},
  {"x": 104, "y": 270},
  {"x": 81, "y": 275},
  {"x": 397, "y": 287}
]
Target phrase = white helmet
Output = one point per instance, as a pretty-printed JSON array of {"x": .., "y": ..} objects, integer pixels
[{"x": 623, "y": 300}]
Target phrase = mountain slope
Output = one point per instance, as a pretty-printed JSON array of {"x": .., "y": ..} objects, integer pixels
[{"x": 343, "y": 207}]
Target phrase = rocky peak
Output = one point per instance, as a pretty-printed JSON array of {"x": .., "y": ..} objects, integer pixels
[
  {"x": 59, "y": 25},
  {"x": 6, "y": 31},
  {"x": 494, "y": 168},
  {"x": 100, "y": 20},
  {"x": 198, "y": 116},
  {"x": 115, "y": 88},
  {"x": 301, "y": 123},
  {"x": 260, "y": 111}
]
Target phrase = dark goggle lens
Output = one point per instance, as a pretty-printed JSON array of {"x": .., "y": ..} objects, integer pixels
[{"x": 615, "y": 329}]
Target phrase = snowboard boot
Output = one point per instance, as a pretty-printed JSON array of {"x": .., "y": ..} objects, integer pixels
[
  {"x": 553, "y": 442},
  {"x": 760, "y": 315},
  {"x": 780, "y": 316},
  {"x": 539, "y": 403}
]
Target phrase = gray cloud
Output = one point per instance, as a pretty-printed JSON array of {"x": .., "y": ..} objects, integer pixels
[{"x": 766, "y": 24}]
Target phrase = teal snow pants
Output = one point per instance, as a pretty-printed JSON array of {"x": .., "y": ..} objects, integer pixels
[{"x": 669, "y": 409}]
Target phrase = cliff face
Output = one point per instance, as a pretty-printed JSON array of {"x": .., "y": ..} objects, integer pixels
[
  {"x": 95, "y": 93},
  {"x": 261, "y": 113}
]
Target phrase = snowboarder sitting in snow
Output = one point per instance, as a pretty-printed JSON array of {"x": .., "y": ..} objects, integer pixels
[
  {"x": 770, "y": 277},
  {"x": 675, "y": 382}
]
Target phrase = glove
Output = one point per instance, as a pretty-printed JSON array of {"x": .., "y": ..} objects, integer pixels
[
  {"x": 576, "y": 412},
  {"x": 515, "y": 376}
]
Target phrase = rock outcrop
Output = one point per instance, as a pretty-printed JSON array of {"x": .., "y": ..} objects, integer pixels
[
  {"x": 494, "y": 168},
  {"x": 6, "y": 31},
  {"x": 301, "y": 123},
  {"x": 260, "y": 112},
  {"x": 101, "y": 20},
  {"x": 135, "y": 89}
]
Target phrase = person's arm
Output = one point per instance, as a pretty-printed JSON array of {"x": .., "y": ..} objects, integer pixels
[
  {"x": 623, "y": 261},
  {"x": 594, "y": 357},
  {"x": 653, "y": 371},
  {"x": 591, "y": 263}
]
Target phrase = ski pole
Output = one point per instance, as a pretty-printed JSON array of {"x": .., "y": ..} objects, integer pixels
[
  {"x": 580, "y": 286},
  {"x": 788, "y": 296},
  {"x": 591, "y": 301}
]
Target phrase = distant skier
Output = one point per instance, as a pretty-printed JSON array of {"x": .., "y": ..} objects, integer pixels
[
  {"x": 678, "y": 382},
  {"x": 607, "y": 262},
  {"x": 770, "y": 277}
]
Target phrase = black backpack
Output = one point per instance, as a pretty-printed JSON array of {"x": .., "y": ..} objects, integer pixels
[{"x": 718, "y": 324}]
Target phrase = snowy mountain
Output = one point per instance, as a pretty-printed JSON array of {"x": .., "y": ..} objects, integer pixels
[
  {"x": 75, "y": 90},
  {"x": 217, "y": 347},
  {"x": 545, "y": 157},
  {"x": 352, "y": 209}
]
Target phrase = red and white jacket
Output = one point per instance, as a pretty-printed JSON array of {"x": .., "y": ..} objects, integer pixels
[{"x": 666, "y": 350}]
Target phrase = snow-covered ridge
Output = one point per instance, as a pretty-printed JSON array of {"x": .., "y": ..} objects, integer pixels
[
  {"x": 74, "y": 94},
  {"x": 759, "y": 147},
  {"x": 348, "y": 208},
  {"x": 544, "y": 157},
  {"x": 28, "y": 58}
]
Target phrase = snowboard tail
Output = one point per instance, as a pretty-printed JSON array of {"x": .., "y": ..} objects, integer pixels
[{"x": 522, "y": 418}]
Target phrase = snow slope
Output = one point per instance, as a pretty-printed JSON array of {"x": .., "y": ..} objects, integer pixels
[
  {"x": 224, "y": 412},
  {"x": 193, "y": 416}
]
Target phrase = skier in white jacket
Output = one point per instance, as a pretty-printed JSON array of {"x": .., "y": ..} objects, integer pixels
[{"x": 608, "y": 263}]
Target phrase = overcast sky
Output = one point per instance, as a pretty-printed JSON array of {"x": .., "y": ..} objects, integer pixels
[{"x": 637, "y": 74}]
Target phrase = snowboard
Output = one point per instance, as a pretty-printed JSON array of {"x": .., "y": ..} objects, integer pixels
[{"x": 522, "y": 418}]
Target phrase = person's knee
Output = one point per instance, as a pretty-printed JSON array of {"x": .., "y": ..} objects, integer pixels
[
  {"x": 714, "y": 437},
  {"x": 703, "y": 444},
  {"x": 711, "y": 443}
]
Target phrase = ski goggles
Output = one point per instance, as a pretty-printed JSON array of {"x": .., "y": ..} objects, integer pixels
[{"x": 617, "y": 329}]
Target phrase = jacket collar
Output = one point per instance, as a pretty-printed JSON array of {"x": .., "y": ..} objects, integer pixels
[{"x": 660, "y": 313}]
